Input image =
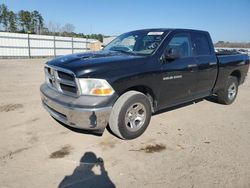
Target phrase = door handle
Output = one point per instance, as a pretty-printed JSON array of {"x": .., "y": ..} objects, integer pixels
[{"x": 192, "y": 65}]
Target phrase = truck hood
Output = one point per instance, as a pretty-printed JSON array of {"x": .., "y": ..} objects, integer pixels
[{"x": 97, "y": 64}]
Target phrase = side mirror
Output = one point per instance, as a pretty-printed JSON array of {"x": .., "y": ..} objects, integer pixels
[{"x": 171, "y": 54}]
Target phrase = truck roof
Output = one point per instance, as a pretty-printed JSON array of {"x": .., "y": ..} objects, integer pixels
[{"x": 170, "y": 29}]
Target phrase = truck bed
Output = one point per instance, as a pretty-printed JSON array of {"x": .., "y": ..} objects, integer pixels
[{"x": 237, "y": 64}]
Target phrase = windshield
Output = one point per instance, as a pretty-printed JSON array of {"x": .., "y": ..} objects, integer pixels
[{"x": 137, "y": 42}]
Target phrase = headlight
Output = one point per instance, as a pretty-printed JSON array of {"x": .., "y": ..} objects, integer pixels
[{"x": 98, "y": 87}]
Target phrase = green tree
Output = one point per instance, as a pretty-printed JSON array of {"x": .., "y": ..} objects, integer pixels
[
  {"x": 100, "y": 37},
  {"x": 33, "y": 25},
  {"x": 12, "y": 21},
  {"x": 40, "y": 23},
  {"x": 36, "y": 22},
  {"x": 4, "y": 16},
  {"x": 1, "y": 15},
  {"x": 24, "y": 18}
]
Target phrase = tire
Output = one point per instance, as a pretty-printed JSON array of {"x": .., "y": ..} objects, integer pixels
[
  {"x": 130, "y": 115},
  {"x": 229, "y": 93}
]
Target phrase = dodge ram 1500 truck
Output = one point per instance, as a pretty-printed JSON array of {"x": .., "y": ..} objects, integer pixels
[{"x": 136, "y": 75}]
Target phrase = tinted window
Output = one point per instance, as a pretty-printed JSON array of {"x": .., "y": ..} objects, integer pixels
[
  {"x": 181, "y": 43},
  {"x": 201, "y": 44}
]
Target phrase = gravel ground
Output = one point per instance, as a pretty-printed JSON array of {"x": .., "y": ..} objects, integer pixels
[{"x": 200, "y": 145}]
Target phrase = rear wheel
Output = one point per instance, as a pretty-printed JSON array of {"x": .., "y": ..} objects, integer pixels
[
  {"x": 229, "y": 93},
  {"x": 130, "y": 115}
]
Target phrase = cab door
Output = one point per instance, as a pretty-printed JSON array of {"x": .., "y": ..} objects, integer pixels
[
  {"x": 207, "y": 64},
  {"x": 179, "y": 74}
]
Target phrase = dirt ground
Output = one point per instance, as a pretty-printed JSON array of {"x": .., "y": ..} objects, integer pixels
[{"x": 200, "y": 145}]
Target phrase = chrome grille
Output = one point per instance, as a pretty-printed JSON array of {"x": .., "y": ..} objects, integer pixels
[{"x": 61, "y": 80}]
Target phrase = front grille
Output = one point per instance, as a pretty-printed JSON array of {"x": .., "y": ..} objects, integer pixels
[
  {"x": 61, "y": 80},
  {"x": 71, "y": 89},
  {"x": 65, "y": 76}
]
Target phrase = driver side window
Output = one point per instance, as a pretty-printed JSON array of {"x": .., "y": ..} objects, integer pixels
[{"x": 182, "y": 44}]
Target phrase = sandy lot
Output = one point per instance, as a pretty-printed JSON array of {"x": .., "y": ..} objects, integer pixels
[{"x": 200, "y": 145}]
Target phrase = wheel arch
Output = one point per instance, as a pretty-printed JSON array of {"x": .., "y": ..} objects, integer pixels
[
  {"x": 237, "y": 74},
  {"x": 146, "y": 91}
]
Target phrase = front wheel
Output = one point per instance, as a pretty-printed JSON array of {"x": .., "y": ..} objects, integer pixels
[
  {"x": 130, "y": 115},
  {"x": 229, "y": 93}
]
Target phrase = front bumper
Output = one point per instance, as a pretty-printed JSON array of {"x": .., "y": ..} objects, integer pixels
[{"x": 76, "y": 112}]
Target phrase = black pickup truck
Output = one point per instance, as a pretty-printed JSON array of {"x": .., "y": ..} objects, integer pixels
[{"x": 136, "y": 75}]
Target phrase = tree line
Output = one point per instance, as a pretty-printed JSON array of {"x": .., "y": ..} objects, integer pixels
[
  {"x": 33, "y": 22},
  {"x": 23, "y": 21}
]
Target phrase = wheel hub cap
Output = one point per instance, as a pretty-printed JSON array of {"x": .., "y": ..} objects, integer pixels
[
  {"x": 232, "y": 90},
  {"x": 135, "y": 116}
]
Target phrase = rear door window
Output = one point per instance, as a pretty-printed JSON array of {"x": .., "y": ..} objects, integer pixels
[{"x": 201, "y": 44}]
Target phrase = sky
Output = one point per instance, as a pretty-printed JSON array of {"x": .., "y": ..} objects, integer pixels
[{"x": 227, "y": 20}]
